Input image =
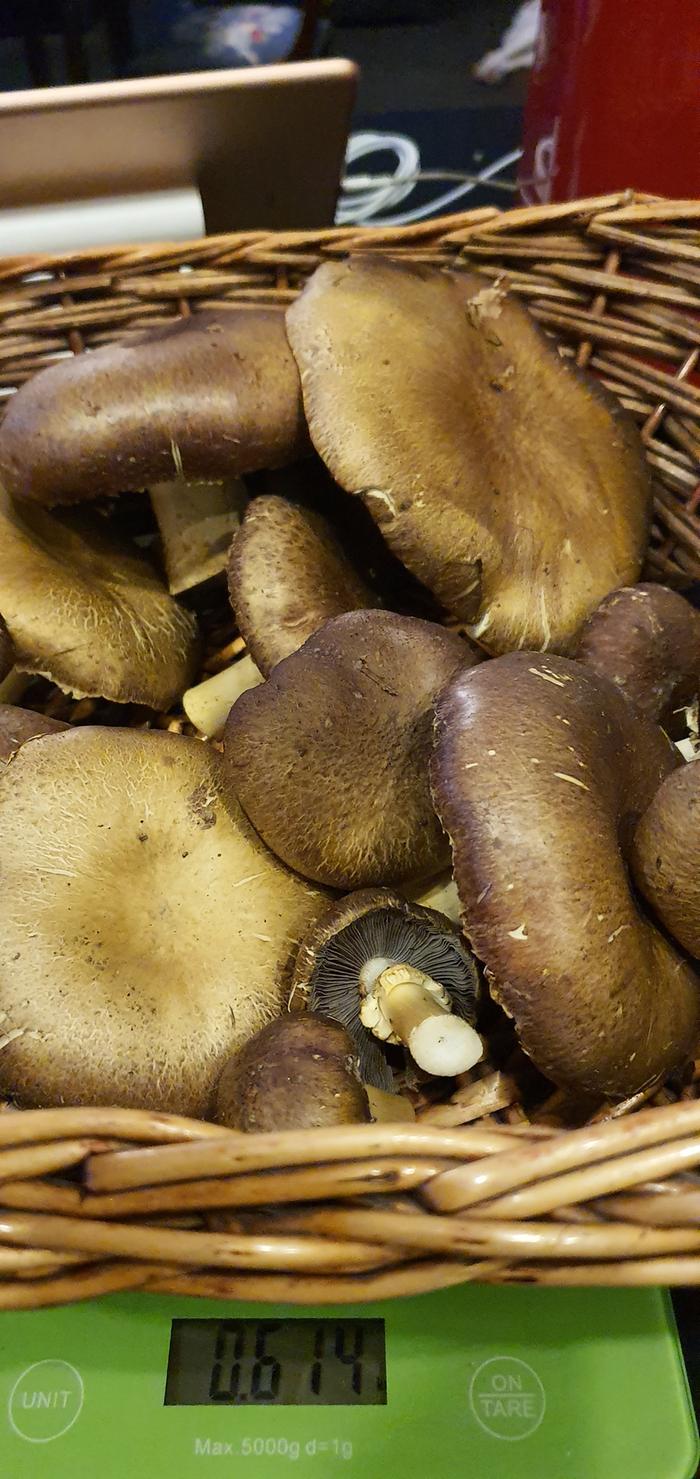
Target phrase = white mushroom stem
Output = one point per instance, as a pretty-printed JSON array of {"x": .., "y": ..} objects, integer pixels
[
  {"x": 207, "y": 705},
  {"x": 404, "y": 1005}
]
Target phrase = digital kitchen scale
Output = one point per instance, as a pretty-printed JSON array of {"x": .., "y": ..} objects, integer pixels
[{"x": 469, "y": 1383}]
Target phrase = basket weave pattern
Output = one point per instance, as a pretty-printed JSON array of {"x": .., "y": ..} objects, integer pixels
[{"x": 96, "y": 1200}]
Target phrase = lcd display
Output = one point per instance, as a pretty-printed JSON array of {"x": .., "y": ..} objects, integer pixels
[{"x": 283, "y": 1363}]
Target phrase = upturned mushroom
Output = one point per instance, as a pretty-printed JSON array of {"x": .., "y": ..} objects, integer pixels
[
  {"x": 287, "y": 575},
  {"x": 666, "y": 856},
  {"x": 87, "y": 610},
  {"x": 329, "y": 757},
  {"x": 204, "y": 397},
  {"x": 539, "y": 772},
  {"x": 646, "y": 639},
  {"x": 392, "y": 972},
  {"x": 299, "y": 1072},
  {"x": 145, "y": 932},
  {"x": 196, "y": 522},
  {"x": 513, "y": 486}
]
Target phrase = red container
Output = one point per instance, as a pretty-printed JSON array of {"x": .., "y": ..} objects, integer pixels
[{"x": 614, "y": 100}]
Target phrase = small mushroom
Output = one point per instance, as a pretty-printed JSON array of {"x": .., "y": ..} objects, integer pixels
[
  {"x": 19, "y": 725},
  {"x": 298, "y": 1073},
  {"x": 329, "y": 757},
  {"x": 513, "y": 486},
  {"x": 87, "y": 610},
  {"x": 204, "y": 397},
  {"x": 145, "y": 931},
  {"x": 666, "y": 856},
  {"x": 392, "y": 972},
  {"x": 540, "y": 771},
  {"x": 646, "y": 639},
  {"x": 197, "y": 522},
  {"x": 287, "y": 575}
]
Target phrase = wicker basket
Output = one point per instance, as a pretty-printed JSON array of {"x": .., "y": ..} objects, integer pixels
[{"x": 96, "y": 1200}]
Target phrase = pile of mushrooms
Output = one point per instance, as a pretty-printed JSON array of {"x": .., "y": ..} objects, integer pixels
[{"x": 289, "y": 819}]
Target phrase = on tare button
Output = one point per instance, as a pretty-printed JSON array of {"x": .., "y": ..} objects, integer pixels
[{"x": 45, "y": 1401}]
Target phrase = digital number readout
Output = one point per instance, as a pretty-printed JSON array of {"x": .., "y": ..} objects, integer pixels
[{"x": 283, "y": 1363}]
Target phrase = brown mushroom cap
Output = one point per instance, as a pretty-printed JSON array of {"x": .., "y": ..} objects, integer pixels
[
  {"x": 7, "y": 653},
  {"x": 514, "y": 487},
  {"x": 89, "y": 612},
  {"x": 145, "y": 931},
  {"x": 297, "y": 1073},
  {"x": 540, "y": 771},
  {"x": 646, "y": 639},
  {"x": 207, "y": 397},
  {"x": 287, "y": 575},
  {"x": 666, "y": 855},
  {"x": 329, "y": 757},
  {"x": 19, "y": 725},
  {"x": 376, "y": 924}
]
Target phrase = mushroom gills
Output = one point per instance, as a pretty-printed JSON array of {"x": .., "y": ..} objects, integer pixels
[{"x": 393, "y": 962}]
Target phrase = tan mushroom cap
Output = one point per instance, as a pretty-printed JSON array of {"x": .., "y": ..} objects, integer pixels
[
  {"x": 287, "y": 575},
  {"x": 329, "y": 757},
  {"x": 666, "y": 856},
  {"x": 89, "y": 612},
  {"x": 514, "y": 487},
  {"x": 145, "y": 932},
  {"x": 646, "y": 639},
  {"x": 204, "y": 397},
  {"x": 19, "y": 725},
  {"x": 539, "y": 773}
]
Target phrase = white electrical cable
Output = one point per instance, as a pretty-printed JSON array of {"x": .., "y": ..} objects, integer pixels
[{"x": 366, "y": 198}]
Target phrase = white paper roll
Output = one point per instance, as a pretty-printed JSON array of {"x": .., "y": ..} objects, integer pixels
[{"x": 108, "y": 220}]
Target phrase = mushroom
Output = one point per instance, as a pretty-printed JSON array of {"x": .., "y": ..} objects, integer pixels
[
  {"x": 646, "y": 639},
  {"x": 539, "y": 772},
  {"x": 87, "y": 610},
  {"x": 298, "y": 1073},
  {"x": 392, "y": 972},
  {"x": 329, "y": 757},
  {"x": 204, "y": 397},
  {"x": 287, "y": 575},
  {"x": 197, "y": 522},
  {"x": 512, "y": 485},
  {"x": 666, "y": 856},
  {"x": 19, "y": 725},
  {"x": 7, "y": 652},
  {"x": 145, "y": 932}
]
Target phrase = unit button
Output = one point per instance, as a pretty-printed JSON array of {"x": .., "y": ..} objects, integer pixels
[{"x": 45, "y": 1401}]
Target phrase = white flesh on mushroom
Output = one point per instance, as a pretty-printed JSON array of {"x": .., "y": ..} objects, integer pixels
[
  {"x": 402, "y": 1005},
  {"x": 197, "y": 522},
  {"x": 208, "y": 704}
]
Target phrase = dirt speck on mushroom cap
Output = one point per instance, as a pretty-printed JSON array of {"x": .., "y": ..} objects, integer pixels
[
  {"x": 540, "y": 771},
  {"x": 138, "y": 947},
  {"x": 514, "y": 488},
  {"x": 329, "y": 757}
]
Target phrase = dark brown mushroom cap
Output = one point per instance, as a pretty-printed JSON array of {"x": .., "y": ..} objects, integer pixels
[
  {"x": 514, "y": 487},
  {"x": 287, "y": 575},
  {"x": 370, "y": 924},
  {"x": 646, "y": 639},
  {"x": 206, "y": 397},
  {"x": 7, "y": 653},
  {"x": 19, "y": 725},
  {"x": 145, "y": 932},
  {"x": 298, "y": 1073},
  {"x": 666, "y": 855},
  {"x": 329, "y": 757},
  {"x": 540, "y": 772},
  {"x": 85, "y": 609}
]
